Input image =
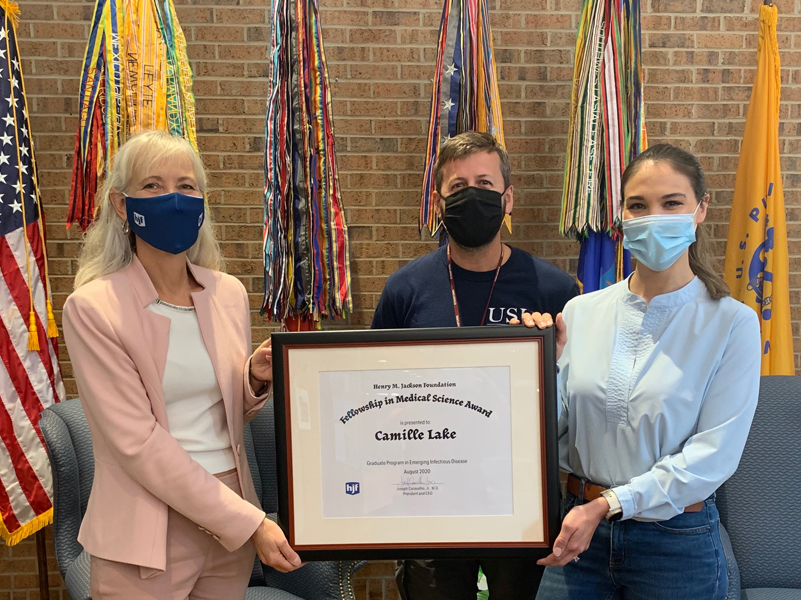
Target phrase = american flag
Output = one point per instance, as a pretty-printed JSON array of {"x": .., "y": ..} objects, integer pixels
[{"x": 30, "y": 379}]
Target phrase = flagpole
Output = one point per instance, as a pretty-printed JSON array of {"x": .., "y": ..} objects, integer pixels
[{"x": 41, "y": 556}]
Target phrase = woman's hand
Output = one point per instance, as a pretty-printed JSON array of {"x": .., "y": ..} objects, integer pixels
[
  {"x": 578, "y": 528},
  {"x": 544, "y": 321},
  {"x": 261, "y": 364},
  {"x": 273, "y": 548}
]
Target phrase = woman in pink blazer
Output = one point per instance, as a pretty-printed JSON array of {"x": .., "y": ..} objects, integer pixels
[{"x": 159, "y": 340}]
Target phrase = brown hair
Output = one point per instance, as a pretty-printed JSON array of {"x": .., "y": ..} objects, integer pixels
[
  {"x": 468, "y": 143},
  {"x": 702, "y": 261}
]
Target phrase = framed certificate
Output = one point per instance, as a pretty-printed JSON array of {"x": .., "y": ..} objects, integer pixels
[{"x": 417, "y": 443}]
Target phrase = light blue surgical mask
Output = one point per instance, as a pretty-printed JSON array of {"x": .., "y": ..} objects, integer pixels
[{"x": 657, "y": 241}]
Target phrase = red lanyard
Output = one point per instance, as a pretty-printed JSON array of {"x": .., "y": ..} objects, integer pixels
[{"x": 453, "y": 289}]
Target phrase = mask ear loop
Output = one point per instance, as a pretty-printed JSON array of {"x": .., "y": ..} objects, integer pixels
[
  {"x": 704, "y": 199},
  {"x": 507, "y": 218}
]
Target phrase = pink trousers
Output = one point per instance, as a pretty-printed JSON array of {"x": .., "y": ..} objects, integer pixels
[{"x": 198, "y": 567}]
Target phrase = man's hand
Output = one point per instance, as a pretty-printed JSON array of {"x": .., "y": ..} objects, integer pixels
[
  {"x": 578, "y": 528},
  {"x": 273, "y": 548},
  {"x": 544, "y": 321}
]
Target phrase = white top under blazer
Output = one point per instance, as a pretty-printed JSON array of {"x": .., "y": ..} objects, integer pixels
[{"x": 195, "y": 408}]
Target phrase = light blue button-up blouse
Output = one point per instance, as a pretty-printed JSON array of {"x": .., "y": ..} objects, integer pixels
[{"x": 657, "y": 399}]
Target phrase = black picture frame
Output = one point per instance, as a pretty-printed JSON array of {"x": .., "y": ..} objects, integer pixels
[{"x": 283, "y": 342}]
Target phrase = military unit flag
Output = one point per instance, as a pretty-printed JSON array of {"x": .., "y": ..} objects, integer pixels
[
  {"x": 136, "y": 77},
  {"x": 305, "y": 243},
  {"x": 606, "y": 131},
  {"x": 465, "y": 96}
]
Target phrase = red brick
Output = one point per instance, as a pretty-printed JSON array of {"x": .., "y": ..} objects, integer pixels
[
  {"x": 722, "y": 6},
  {"x": 547, "y": 21},
  {"x": 704, "y": 23},
  {"x": 744, "y": 58},
  {"x": 217, "y": 33},
  {"x": 669, "y": 40},
  {"x": 372, "y": 36},
  {"x": 683, "y": 129},
  {"x": 524, "y": 39},
  {"x": 718, "y": 111},
  {"x": 244, "y": 16},
  {"x": 345, "y": 17},
  {"x": 394, "y": 18},
  {"x": 669, "y": 111},
  {"x": 573, "y": 6},
  {"x": 668, "y": 76},
  {"x": 693, "y": 93},
  {"x": 659, "y": 58},
  {"x": 720, "y": 40},
  {"x": 674, "y": 6},
  {"x": 46, "y": 12}
]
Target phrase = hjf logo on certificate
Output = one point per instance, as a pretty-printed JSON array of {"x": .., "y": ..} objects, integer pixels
[{"x": 409, "y": 443}]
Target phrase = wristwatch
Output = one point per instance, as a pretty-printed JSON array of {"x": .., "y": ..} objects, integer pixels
[
  {"x": 615, "y": 510},
  {"x": 264, "y": 384}
]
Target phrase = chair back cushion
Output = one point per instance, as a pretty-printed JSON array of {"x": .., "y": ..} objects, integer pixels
[
  {"x": 250, "y": 452},
  {"x": 69, "y": 445},
  {"x": 759, "y": 504},
  {"x": 260, "y": 447}
]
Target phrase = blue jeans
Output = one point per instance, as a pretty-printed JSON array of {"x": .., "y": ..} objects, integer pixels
[{"x": 678, "y": 559}]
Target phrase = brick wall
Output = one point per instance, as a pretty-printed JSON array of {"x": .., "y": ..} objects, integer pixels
[{"x": 699, "y": 62}]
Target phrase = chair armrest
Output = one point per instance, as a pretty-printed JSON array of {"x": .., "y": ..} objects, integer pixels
[
  {"x": 67, "y": 502},
  {"x": 77, "y": 578},
  {"x": 332, "y": 580}
]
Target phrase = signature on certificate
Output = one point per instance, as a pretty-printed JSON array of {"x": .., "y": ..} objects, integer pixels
[{"x": 420, "y": 480}]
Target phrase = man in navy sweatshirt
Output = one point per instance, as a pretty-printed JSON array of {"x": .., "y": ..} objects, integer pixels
[{"x": 474, "y": 280}]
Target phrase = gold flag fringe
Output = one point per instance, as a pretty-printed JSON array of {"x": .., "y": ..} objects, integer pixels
[
  {"x": 12, "y": 10},
  {"x": 40, "y": 522}
]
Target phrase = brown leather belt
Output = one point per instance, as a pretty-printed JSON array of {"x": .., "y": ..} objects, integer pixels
[{"x": 593, "y": 491}]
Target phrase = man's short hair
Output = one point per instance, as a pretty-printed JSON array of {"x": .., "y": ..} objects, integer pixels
[{"x": 468, "y": 143}]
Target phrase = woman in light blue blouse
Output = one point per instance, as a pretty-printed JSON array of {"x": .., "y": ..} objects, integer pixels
[{"x": 659, "y": 377}]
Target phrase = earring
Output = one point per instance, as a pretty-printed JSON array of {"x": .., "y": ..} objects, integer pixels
[
  {"x": 126, "y": 228},
  {"x": 507, "y": 220}
]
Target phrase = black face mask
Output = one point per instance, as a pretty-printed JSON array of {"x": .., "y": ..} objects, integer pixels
[{"x": 473, "y": 216}]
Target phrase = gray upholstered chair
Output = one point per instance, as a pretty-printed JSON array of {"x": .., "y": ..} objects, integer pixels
[
  {"x": 759, "y": 505},
  {"x": 69, "y": 445}
]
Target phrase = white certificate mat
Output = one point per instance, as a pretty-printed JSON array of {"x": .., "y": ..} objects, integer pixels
[
  {"x": 372, "y": 462},
  {"x": 409, "y": 442}
]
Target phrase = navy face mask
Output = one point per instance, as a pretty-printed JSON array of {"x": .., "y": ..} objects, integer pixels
[{"x": 169, "y": 223}]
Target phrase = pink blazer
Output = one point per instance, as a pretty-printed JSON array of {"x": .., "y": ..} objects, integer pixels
[{"x": 118, "y": 352}]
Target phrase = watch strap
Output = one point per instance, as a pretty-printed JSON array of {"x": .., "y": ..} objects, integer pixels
[
  {"x": 615, "y": 509},
  {"x": 264, "y": 384}
]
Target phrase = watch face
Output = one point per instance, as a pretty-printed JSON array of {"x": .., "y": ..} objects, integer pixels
[{"x": 615, "y": 517}]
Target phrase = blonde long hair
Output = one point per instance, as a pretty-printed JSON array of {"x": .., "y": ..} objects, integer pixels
[{"x": 107, "y": 248}]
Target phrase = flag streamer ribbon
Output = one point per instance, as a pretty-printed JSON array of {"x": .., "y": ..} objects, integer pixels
[
  {"x": 136, "y": 77},
  {"x": 465, "y": 94},
  {"x": 606, "y": 131},
  {"x": 305, "y": 242}
]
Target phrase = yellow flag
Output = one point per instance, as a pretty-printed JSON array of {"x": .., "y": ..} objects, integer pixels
[{"x": 757, "y": 263}]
